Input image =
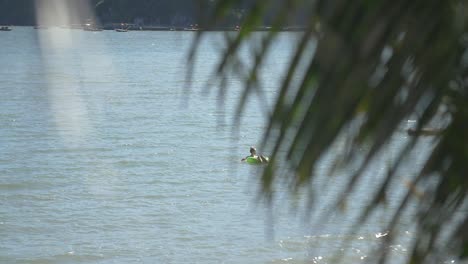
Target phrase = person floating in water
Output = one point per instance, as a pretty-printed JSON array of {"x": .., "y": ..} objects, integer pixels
[{"x": 253, "y": 154}]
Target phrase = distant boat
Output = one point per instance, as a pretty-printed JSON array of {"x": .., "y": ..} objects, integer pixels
[
  {"x": 5, "y": 28},
  {"x": 192, "y": 28},
  {"x": 123, "y": 28},
  {"x": 40, "y": 27}
]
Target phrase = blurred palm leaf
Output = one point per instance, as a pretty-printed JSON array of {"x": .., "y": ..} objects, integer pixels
[{"x": 376, "y": 64}]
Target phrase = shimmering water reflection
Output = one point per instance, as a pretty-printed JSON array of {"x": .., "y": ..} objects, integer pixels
[{"x": 102, "y": 160}]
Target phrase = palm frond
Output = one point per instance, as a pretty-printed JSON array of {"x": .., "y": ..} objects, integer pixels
[{"x": 380, "y": 62}]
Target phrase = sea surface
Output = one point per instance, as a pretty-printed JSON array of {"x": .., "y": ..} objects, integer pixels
[{"x": 107, "y": 156}]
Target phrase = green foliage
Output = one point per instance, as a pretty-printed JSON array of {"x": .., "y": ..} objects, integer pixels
[{"x": 380, "y": 62}]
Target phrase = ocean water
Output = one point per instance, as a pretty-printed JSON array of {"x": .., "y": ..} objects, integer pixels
[{"x": 106, "y": 157}]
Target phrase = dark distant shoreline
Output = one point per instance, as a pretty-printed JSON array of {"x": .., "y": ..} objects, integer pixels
[
  {"x": 167, "y": 28},
  {"x": 151, "y": 15},
  {"x": 160, "y": 28}
]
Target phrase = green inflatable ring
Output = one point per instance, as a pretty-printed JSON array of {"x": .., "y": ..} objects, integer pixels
[{"x": 254, "y": 160}]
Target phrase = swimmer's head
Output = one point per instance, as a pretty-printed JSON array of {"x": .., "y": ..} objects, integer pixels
[{"x": 253, "y": 151}]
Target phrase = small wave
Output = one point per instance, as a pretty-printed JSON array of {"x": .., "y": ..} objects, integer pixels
[
  {"x": 288, "y": 260},
  {"x": 16, "y": 186},
  {"x": 71, "y": 150},
  {"x": 68, "y": 257}
]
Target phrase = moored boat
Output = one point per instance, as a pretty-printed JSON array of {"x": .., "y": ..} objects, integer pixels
[
  {"x": 123, "y": 27},
  {"x": 5, "y": 28}
]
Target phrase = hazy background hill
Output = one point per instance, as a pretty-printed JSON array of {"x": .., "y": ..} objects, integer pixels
[{"x": 144, "y": 12}]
